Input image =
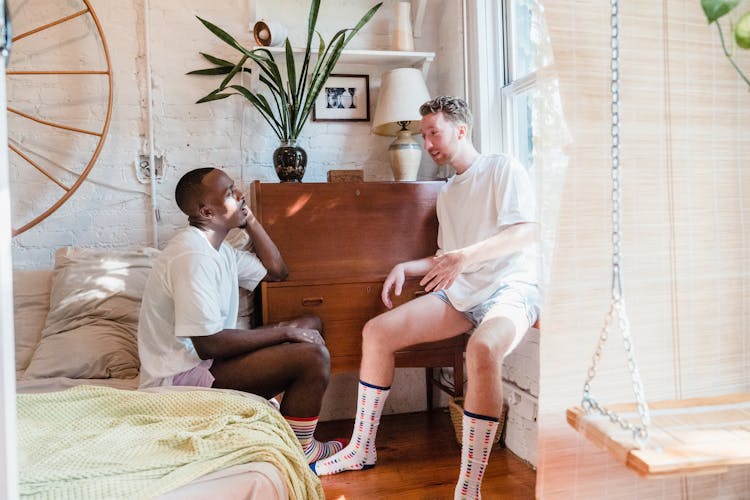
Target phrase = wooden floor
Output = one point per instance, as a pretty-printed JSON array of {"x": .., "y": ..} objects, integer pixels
[{"x": 412, "y": 464}]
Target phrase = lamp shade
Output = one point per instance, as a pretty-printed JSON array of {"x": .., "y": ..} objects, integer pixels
[{"x": 402, "y": 92}]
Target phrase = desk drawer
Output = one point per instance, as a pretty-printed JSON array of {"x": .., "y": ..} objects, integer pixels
[
  {"x": 344, "y": 308},
  {"x": 334, "y": 301}
]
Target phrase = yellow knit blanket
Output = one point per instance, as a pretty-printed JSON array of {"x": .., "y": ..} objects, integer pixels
[{"x": 103, "y": 443}]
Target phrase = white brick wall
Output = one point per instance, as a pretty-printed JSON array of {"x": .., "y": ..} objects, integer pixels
[
  {"x": 521, "y": 393},
  {"x": 112, "y": 208}
]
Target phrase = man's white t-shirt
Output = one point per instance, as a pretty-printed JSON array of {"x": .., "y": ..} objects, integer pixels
[
  {"x": 493, "y": 194},
  {"x": 191, "y": 291}
]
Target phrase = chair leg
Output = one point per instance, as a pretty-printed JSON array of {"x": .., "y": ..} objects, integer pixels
[
  {"x": 458, "y": 375},
  {"x": 428, "y": 386}
]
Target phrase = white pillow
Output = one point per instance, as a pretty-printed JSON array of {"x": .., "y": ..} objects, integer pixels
[{"x": 92, "y": 324}]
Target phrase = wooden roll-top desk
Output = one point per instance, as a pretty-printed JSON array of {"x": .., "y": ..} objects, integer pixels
[{"x": 339, "y": 241}]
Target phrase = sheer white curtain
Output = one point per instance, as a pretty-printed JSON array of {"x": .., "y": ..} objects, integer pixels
[{"x": 684, "y": 151}]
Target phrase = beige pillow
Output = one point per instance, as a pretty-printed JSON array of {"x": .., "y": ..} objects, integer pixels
[
  {"x": 31, "y": 289},
  {"x": 91, "y": 327}
]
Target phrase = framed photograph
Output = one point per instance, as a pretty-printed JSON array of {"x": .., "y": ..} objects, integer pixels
[{"x": 344, "y": 98}]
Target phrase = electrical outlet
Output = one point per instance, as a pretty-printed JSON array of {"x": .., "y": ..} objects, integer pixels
[{"x": 143, "y": 168}]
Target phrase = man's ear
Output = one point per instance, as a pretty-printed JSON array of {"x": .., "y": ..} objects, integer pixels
[
  {"x": 205, "y": 212},
  {"x": 462, "y": 130}
]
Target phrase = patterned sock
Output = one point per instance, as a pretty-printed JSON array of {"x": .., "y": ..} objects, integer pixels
[
  {"x": 360, "y": 452},
  {"x": 314, "y": 450},
  {"x": 478, "y": 435}
]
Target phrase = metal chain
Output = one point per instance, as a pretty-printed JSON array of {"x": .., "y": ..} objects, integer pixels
[{"x": 617, "y": 313}]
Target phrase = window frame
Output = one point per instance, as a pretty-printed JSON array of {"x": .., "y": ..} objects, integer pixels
[{"x": 490, "y": 59}]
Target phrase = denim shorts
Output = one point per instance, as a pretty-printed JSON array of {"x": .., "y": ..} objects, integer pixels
[{"x": 521, "y": 296}]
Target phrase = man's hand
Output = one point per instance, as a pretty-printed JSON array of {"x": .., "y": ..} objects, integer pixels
[
  {"x": 305, "y": 335},
  {"x": 249, "y": 215},
  {"x": 395, "y": 280},
  {"x": 445, "y": 269}
]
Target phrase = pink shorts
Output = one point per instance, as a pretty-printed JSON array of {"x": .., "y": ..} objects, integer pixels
[{"x": 200, "y": 376}]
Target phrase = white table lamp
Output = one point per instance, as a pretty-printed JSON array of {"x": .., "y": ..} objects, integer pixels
[{"x": 402, "y": 92}]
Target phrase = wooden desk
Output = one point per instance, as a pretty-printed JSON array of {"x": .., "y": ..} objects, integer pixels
[{"x": 339, "y": 241}]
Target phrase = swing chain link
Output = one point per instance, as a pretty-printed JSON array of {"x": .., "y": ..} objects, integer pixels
[{"x": 617, "y": 312}]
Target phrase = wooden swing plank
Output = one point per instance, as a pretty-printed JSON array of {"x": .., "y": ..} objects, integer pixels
[{"x": 688, "y": 436}]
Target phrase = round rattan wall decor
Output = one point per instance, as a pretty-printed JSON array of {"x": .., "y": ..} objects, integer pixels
[{"x": 59, "y": 87}]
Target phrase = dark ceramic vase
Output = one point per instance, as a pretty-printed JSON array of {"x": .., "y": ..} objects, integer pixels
[{"x": 290, "y": 161}]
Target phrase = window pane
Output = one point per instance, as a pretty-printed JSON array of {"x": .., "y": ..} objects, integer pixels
[
  {"x": 521, "y": 110},
  {"x": 526, "y": 32},
  {"x": 524, "y": 51}
]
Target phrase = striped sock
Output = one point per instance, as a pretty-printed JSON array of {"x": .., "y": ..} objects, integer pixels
[
  {"x": 304, "y": 428},
  {"x": 478, "y": 435},
  {"x": 360, "y": 452}
]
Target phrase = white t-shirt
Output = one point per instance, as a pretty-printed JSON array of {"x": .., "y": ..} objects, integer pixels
[
  {"x": 191, "y": 291},
  {"x": 494, "y": 193}
]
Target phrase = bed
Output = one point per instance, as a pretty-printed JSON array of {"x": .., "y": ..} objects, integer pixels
[{"x": 84, "y": 430}]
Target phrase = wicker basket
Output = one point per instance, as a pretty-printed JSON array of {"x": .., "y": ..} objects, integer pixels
[{"x": 456, "y": 407}]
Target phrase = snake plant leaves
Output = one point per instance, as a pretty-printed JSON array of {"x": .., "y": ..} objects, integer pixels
[{"x": 293, "y": 97}]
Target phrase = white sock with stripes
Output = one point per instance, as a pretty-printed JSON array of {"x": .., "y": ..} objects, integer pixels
[
  {"x": 360, "y": 452},
  {"x": 478, "y": 436},
  {"x": 304, "y": 428}
]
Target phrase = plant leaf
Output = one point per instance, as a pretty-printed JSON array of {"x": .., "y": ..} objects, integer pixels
[
  {"x": 213, "y": 96},
  {"x": 233, "y": 72},
  {"x": 261, "y": 105},
  {"x": 324, "y": 68},
  {"x": 714, "y": 9},
  {"x": 223, "y": 35},
  {"x": 215, "y": 60},
  {"x": 291, "y": 79},
  {"x": 221, "y": 70},
  {"x": 365, "y": 19},
  {"x": 742, "y": 31},
  {"x": 293, "y": 100}
]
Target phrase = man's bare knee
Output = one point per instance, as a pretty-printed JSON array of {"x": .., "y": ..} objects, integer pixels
[
  {"x": 374, "y": 333},
  {"x": 316, "y": 357},
  {"x": 491, "y": 341}
]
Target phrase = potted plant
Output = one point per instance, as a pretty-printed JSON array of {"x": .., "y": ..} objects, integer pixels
[
  {"x": 716, "y": 9},
  {"x": 293, "y": 95}
]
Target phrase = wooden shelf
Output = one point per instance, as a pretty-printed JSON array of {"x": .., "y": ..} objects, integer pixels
[{"x": 392, "y": 58}]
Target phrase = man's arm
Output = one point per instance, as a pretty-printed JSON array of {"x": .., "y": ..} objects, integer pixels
[
  {"x": 448, "y": 266},
  {"x": 397, "y": 276},
  {"x": 234, "y": 342},
  {"x": 266, "y": 250}
]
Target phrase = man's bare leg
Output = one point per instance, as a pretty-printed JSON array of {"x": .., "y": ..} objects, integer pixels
[
  {"x": 299, "y": 370},
  {"x": 421, "y": 320},
  {"x": 488, "y": 345}
]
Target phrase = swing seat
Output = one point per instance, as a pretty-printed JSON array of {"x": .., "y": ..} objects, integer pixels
[{"x": 688, "y": 436}]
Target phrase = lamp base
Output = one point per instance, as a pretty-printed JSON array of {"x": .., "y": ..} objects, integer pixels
[{"x": 406, "y": 155}]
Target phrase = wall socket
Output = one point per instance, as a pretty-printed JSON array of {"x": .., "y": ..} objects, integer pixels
[{"x": 143, "y": 168}]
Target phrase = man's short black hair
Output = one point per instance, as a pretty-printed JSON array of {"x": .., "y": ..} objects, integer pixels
[{"x": 188, "y": 190}]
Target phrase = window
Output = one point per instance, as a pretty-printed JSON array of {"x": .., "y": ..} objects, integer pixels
[{"x": 504, "y": 56}]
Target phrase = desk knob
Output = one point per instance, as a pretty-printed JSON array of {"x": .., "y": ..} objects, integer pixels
[{"x": 312, "y": 301}]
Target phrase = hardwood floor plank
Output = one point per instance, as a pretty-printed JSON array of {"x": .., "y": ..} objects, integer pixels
[{"x": 419, "y": 458}]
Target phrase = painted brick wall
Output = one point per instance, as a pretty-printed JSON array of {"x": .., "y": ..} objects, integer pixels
[{"x": 112, "y": 208}]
